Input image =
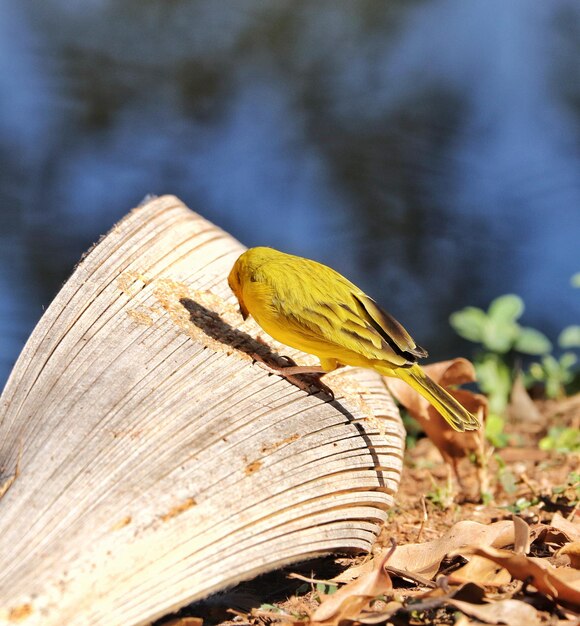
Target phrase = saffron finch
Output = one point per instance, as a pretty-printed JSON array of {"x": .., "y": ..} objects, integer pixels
[{"x": 313, "y": 308}]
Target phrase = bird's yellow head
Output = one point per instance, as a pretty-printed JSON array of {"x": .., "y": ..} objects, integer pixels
[
  {"x": 236, "y": 281},
  {"x": 245, "y": 270}
]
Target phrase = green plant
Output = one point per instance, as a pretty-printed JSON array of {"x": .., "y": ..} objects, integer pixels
[
  {"x": 497, "y": 330},
  {"x": 494, "y": 426},
  {"x": 570, "y": 337},
  {"x": 326, "y": 589},
  {"x": 521, "y": 504},
  {"x": 441, "y": 496},
  {"x": 561, "y": 439},
  {"x": 554, "y": 373},
  {"x": 494, "y": 376},
  {"x": 501, "y": 339},
  {"x": 319, "y": 589},
  {"x": 505, "y": 476},
  {"x": 500, "y": 336},
  {"x": 270, "y": 608}
]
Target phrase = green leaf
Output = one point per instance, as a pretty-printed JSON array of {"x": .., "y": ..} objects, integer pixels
[
  {"x": 555, "y": 374},
  {"x": 506, "y": 308},
  {"x": 551, "y": 366},
  {"x": 570, "y": 337},
  {"x": 501, "y": 329},
  {"x": 554, "y": 388},
  {"x": 536, "y": 371},
  {"x": 271, "y": 608},
  {"x": 499, "y": 335},
  {"x": 561, "y": 439},
  {"x": 575, "y": 280},
  {"x": 521, "y": 504},
  {"x": 568, "y": 360},
  {"x": 494, "y": 378},
  {"x": 486, "y": 497},
  {"x": 468, "y": 323},
  {"x": 532, "y": 341},
  {"x": 494, "y": 425}
]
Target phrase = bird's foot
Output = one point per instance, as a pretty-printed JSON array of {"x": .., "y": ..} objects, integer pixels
[
  {"x": 289, "y": 362},
  {"x": 305, "y": 377}
]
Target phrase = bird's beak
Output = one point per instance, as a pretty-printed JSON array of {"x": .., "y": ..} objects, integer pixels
[{"x": 244, "y": 312}]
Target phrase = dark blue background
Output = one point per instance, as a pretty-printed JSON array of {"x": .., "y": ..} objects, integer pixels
[{"x": 429, "y": 150}]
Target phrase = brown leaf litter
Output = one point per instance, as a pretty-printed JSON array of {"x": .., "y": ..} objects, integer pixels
[{"x": 452, "y": 445}]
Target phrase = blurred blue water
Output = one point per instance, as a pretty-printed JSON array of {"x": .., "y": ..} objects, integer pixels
[{"x": 430, "y": 150}]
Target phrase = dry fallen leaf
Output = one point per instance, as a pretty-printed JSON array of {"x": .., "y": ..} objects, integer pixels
[
  {"x": 510, "y": 612},
  {"x": 550, "y": 539},
  {"x": 561, "y": 584},
  {"x": 522, "y": 410},
  {"x": 453, "y": 445},
  {"x": 348, "y": 602},
  {"x": 380, "y": 617},
  {"x": 470, "y": 593},
  {"x": 481, "y": 571},
  {"x": 522, "y": 536},
  {"x": 425, "y": 558},
  {"x": 485, "y": 572},
  {"x": 433, "y": 599},
  {"x": 573, "y": 552},
  {"x": 572, "y": 529},
  {"x": 487, "y": 567}
]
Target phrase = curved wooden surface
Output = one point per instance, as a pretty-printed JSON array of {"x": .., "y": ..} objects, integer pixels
[{"x": 146, "y": 461}]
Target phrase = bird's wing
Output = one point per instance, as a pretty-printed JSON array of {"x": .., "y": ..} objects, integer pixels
[
  {"x": 336, "y": 312},
  {"x": 388, "y": 327}
]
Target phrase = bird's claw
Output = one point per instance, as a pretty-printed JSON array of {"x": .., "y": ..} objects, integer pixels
[
  {"x": 302, "y": 381},
  {"x": 290, "y": 362}
]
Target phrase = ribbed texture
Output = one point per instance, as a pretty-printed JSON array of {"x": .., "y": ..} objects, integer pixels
[{"x": 147, "y": 462}]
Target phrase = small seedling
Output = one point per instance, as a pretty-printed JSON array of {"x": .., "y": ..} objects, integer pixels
[
  {"x": 326, "y": 589},
  {"x": 554, "y": 373},
  {"x": 569, "y": 338},
  {"x": 302, "y": 589},
  {"x": 270, "y": 608},
  {"x": 440, "y": 496},
  {"x": 521, "y": 504},
  {"x": 562, "y": 440},
  {"x": 497, "y": 330},
  {"x": 500, "y": 336},
  {"x": 494, "y": 431}
]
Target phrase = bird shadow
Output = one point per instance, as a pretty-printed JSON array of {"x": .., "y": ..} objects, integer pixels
[{"x": 214, "y": 326}]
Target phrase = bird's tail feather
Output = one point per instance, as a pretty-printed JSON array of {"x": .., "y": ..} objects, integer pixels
[{"x": 456, "y": 414}]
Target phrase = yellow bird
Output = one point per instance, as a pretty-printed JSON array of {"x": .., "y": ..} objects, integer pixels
[{"x": 313, "y": 308}]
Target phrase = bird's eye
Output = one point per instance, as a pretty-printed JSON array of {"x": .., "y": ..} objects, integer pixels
[{"x": 253, "y": 279}]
